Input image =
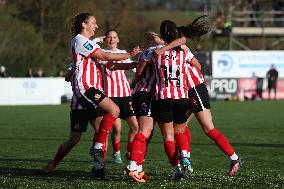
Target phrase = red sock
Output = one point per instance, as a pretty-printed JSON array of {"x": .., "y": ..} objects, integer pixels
[
  {"x": 221, "y": 141},
  {"x": 188, "y": 136},
  {"x": 116, "y": 146},
  {"x": 171, "y": 152},
  {"x": 181, "y": 141},
  {"x": 138, "y": 147},
  {"x": 142, "y": 154},
  {"x": 105, "y": 127},
  {"x": 60, "y": 154}
]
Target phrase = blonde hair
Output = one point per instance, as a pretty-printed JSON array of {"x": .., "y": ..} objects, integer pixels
[{"x": 149, "y": 39}]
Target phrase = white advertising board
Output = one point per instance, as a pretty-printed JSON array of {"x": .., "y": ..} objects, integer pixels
[
  {"x": 33, "y": 91},
  {"x": 246, "y": 64}
]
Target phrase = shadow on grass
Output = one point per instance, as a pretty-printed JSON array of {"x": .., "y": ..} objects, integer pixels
[
  {"x": 64, "y": 174},
  {"x": 41, "y": 160}
]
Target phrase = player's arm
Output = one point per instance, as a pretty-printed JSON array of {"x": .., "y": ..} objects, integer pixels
[
  {"x": 173, "y": 44},
  {"x": 195, "y": 63},
  {"x": 139, "y": 70},
  {"x": 120, "y": 66},
  {"x": 107, "y": 56}
]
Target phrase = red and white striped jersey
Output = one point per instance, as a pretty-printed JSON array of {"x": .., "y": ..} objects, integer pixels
[
  {"x": 86, "y": 71},
  {"x": 115, "y": 82},
  {"x": 147, "y": 82},
  {"x": 194, "y": 75},
  {"x": 170, "y": 70}
]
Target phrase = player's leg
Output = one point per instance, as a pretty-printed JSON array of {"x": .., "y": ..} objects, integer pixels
[
  {"x": 115, "y": 138},
  {"x": 78, "y": 124},
  {"x": 142, "y": 109},
  {"x": 98, "y": 99},
  {"x": 181, "y": 114},
  {"x": 204, "y": 117},
  {"x": 165, "y": 118}
]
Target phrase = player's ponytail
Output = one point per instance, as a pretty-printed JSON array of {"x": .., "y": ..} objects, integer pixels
[
  {"x": 77, "y": 21},
  {"x": 200, "y": 26}
]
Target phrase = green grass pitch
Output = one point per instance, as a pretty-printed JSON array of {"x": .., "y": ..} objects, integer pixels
[{"x": 30, "y": 135}]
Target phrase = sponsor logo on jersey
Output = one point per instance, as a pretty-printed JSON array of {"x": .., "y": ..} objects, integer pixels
[{"x": 88, "y": 46}]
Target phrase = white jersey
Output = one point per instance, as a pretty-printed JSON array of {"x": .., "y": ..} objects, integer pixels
[
  {"x": 115, "y": 82},
  {"x": 86, "y": 71}
]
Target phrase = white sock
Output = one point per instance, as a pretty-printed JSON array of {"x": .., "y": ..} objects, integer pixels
[
  {"x": 139, "y": 168},
  {"x": 184, "y": 154},
  {"x": 234, "y": 156},
  {"x": 132, "y": 166},
  {"x": 98, "y": 145},
  {"x": 117, "y": 153}
]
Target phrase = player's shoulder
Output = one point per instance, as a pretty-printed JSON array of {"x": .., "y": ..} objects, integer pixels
[{"x": 80, "y": 40}]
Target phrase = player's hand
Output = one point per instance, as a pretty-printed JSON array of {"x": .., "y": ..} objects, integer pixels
[
  {"x": 136, "y": 50},
  {"x": 101, "y": 39}
]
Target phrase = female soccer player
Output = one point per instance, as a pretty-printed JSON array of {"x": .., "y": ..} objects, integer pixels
[
  {"x": 87, "y": 87},
  {"x": 79, "y": 118},
  {"x": 200, "y": 105},
  {"x": 117, "y": 88},
  {"x": 142, "y": 97}
]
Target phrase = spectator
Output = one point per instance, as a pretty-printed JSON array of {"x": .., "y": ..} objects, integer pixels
[
  {"x": 29, "y": 72},
  {"x": 255, "y": 12},
  {"x": 272, "y": 76},
  {"x": 219, "y": 23},
  {"x": 3, "y": 71},
  {"x": 40, "y": 73},
  {"x": 279, "y": 17}
]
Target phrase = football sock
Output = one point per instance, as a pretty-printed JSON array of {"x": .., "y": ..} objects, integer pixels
[
  {"x": 181, "y": 141},
  {"x": 171, "y": 152},
  {"x": 132, "y": 166},
  {"x": 234, "y": 157},
  {"x": 221, "y": 141},
  {"x": 105, "y": 127},
  {"x": 138, "y": 147},
  {"x": 188, "y": 136},
  {"x": 60, "y": 154}
]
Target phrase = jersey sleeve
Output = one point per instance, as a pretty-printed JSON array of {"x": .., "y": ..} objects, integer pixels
[
  {"x": 85, "y": 47},
  {"x": 189, "y": 56}
]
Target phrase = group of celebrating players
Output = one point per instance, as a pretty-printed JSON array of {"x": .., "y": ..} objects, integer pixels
[{"x": 169, "y": 89}]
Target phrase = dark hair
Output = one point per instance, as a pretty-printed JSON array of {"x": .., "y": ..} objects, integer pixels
[
  {"x": 168, "y": 31},
  {"x": 110, "y": 30},
  {"x": 77, "y": 21},
  {"x": 200, "y": 26}
]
